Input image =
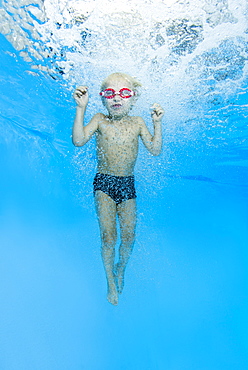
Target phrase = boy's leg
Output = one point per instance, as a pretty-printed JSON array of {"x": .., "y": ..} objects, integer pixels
[
  {"x": 106, "y": 212},
  {"x": 127, "y": 217}
]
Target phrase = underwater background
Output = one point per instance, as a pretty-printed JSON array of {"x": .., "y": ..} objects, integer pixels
[{"x": 184, "y": 306}]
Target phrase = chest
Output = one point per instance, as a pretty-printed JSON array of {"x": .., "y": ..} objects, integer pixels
[{"x": 118, "y": 134}]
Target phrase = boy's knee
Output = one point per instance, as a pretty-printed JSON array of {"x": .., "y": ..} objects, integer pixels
[
  {"x": 128, "y": 237},
  {"x": 109, "y": 237}
]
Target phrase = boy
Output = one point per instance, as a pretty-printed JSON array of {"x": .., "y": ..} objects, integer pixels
[{"x": 117, "y": 136}]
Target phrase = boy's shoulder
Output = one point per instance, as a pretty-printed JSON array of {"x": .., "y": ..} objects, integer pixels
[
  {"x": 99, "y": 116},
  {"x": 98, "y": 119},
  {"x": 138, "y": 120}
]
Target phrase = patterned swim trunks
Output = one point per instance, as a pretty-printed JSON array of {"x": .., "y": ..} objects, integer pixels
[{"x": 119, "y": 188}]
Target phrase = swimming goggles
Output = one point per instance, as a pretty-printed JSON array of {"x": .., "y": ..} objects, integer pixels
[{"x": 124, "y": 93}]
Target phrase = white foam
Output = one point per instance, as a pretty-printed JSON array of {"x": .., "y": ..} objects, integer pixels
[{"x": 165, "y": 44}]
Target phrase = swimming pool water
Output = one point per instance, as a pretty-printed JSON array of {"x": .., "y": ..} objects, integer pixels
[{"x": 184, "y": 306}]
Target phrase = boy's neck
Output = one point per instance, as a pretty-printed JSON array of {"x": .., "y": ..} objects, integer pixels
[{"x": 118, "y": 118}]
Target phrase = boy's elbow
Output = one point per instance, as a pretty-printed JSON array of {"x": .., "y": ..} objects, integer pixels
[
  {"x": 156, "y": 151},
  {"x": 156, "y": 148},
  {"x": 76, "y": 142}
]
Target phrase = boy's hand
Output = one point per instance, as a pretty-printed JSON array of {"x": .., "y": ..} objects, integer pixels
[
  {"x": 157, "y": 112},
  {"x": 81, "y": 96}
]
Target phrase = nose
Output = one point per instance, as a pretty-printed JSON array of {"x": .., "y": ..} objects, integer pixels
[{"x": 117, "y": 96}]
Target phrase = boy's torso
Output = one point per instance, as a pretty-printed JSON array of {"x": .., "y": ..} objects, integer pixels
[{"x": 117, "y": 145}]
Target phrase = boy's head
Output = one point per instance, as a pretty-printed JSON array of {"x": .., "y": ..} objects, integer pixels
[
  {"x": 125, "y": 77},
  {"x": 119, "y": 92}
]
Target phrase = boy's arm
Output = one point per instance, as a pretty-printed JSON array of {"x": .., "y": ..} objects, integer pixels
[
  {"x": 80, "y": 133},
  {"x": 153, "y": 143}
]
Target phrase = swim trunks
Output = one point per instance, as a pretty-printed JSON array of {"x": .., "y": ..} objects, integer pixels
[{"x": 119, "y": 188}]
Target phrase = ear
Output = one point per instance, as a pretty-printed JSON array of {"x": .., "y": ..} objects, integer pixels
[
  {"x": 103, "y": 101},
  {"x": 135, "y": 98}
]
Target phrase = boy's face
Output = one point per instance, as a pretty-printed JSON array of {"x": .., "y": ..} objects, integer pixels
[{"x": 117, "y": 106}]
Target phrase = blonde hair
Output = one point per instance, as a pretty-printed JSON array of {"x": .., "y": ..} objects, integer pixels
[{"x": 136, "y": 84}]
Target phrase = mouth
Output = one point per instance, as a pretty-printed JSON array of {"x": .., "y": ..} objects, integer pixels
[{"x": 116, "y": 106}]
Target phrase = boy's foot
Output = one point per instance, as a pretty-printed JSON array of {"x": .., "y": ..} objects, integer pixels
[
  {"x": 119, "y": 276},
  {"x": 112, "y": 295}
]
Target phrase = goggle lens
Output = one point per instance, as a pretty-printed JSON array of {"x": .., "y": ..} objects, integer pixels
[
  {"x": 109, "y": 93},
  {"x": 124, "y": 93}
]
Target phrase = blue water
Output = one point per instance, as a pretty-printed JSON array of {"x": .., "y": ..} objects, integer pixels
[{"x": 184, "y": 306}]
